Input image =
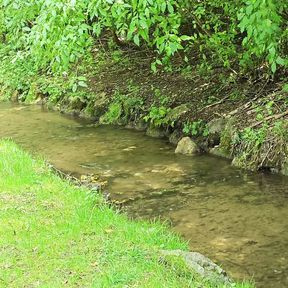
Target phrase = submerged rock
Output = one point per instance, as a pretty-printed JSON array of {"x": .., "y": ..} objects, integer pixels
[
  {"x": 187, "y": 146},
  {"x": 201, "y": 265}
]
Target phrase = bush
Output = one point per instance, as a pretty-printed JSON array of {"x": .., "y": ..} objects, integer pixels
[{"x": 53, "y": 34}]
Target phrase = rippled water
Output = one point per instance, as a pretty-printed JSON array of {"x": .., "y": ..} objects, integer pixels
[{"x": 237, "y": 218}]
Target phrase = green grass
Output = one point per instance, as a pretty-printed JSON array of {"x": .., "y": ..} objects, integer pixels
[{"x": 53, "y": 234}]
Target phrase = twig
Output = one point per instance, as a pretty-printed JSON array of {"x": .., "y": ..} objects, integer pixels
[
  {"x": 215, "y": 103},
  {"x": 248, "y": 104},
  {"x": 274, "y": 117},
  {"x": 262, "y": 162},
  {"x": 201, "y": 25},
  {"x": 245, "y": 106}
]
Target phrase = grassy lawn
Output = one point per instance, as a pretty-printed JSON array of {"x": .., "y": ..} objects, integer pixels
[{"x": 53, "y": 234}]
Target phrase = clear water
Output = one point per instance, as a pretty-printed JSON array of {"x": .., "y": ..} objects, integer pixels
[{"x": 237, "y": 218}]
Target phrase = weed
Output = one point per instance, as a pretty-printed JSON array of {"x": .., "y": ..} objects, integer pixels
[
  {"x": 196, "y": 128},
  {"x": 123, "y": 107},
  {"x": 157, "y": 116},
  {"x": 113, "y": 114}
]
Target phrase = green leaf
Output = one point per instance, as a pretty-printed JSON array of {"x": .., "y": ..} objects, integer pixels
[
  {"x": 82, "y": 84},
  {"x": 280, "y": 61},
  {"x": 185, "y": 38},
  {"x": 74, "y": 87},
  {"x": 285, "y": 87},
  {"x": 136, "y": 39},
  {"x": 154, "y": 67},
  {"x": 273, "y": 67}
]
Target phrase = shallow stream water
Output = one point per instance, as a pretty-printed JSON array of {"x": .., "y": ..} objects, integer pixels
[{"x": 236, "y": 218}]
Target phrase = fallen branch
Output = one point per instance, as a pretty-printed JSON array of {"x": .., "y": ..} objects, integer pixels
[
  {"x": 266, "y": 156},
  {"x": 215, "y": 103},
  {"x": 245, "y": 106},
  {"x": 274, "y": 117}
]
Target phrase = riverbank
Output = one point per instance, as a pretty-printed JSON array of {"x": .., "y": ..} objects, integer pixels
[
  {"x": 56, "y": 234},
  {"x": 224, "y": 113}
]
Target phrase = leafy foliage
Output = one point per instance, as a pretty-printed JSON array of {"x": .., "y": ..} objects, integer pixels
[
  {"x": 154, "y": 23},
  {"x": 196, "y": 128},
  {"x": 123, "y": 108},
  {"x": 48, "y": 36},
  {"x": 262, "y": 22},
  {"x": 157, "y": 115},
  {"x": 44, "y": 42}
]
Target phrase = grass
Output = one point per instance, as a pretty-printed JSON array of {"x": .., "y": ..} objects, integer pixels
[{"x": 54, "y": 234}]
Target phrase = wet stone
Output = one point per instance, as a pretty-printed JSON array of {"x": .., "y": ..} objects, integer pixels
[
  {"x": 201, "y": 265},
  {"x": 187, "y": 146}
]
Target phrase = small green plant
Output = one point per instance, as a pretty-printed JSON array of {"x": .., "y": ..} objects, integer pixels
[
  {"x": 157, "y": 116},
  {"x": 285, "y": 87},
  {"x": 266, "y": 109},
  {"x": 158, "y": 112},
  {"x": 254, "y": 137},
  {"x": 280, "y": 129},
  {"x": 53, "y": 87},
  {"x": 196, "y": 128},
  {"x": 113, "y": 114},
  {"x": 76, "y": 82},
  {"x": 123, "y": 108}
]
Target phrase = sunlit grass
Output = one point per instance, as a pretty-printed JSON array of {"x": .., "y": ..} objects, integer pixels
[{"x": 56, "y": 235}]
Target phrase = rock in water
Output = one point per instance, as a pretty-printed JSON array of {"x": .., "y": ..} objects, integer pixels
[
  {"x": 187, "y": 146},
  {"x": 201, "y": 265}
]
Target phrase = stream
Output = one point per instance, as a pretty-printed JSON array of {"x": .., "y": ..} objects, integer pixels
[{"x": 236, "y": 218}]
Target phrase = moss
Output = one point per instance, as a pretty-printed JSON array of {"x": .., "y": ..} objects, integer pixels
[
  {"x": 226, "y": 138},
  {"x": 112, "y": 116}
]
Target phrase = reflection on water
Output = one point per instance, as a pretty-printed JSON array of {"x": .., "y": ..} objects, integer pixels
[{"x": 236, "y": 218}]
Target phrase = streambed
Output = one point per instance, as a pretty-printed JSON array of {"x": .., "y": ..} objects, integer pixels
[{"x": 235, "y": 217}]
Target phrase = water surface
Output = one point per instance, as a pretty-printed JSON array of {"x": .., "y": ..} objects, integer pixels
[{"x": 236, "y": 218}]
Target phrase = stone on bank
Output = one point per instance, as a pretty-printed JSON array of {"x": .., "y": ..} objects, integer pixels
[{"x": 202, "y": 266}]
